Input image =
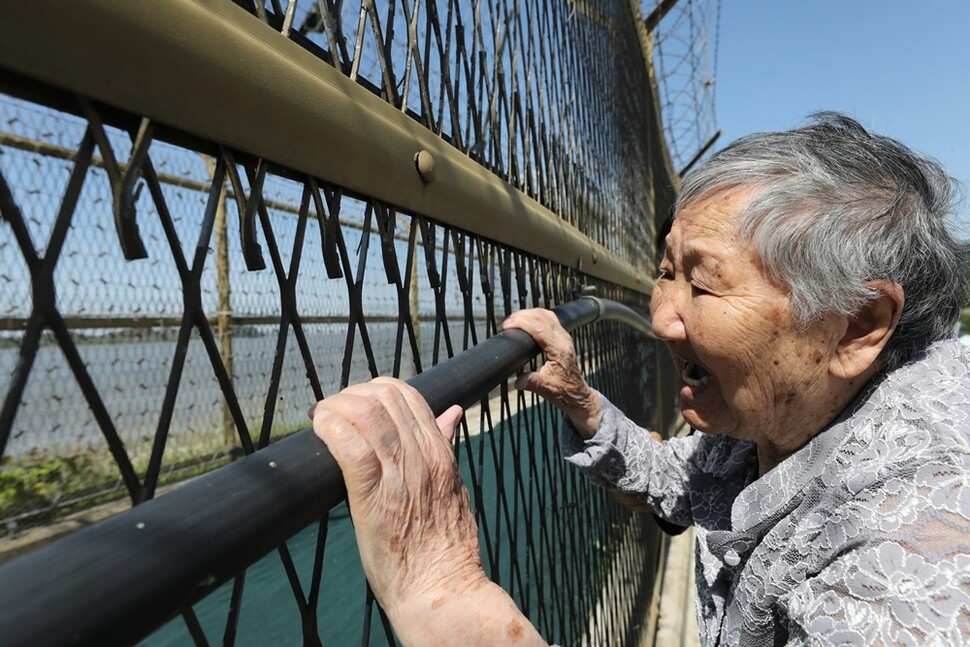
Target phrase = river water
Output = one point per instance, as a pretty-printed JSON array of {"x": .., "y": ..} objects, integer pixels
[{"x": 54, "y": 418}]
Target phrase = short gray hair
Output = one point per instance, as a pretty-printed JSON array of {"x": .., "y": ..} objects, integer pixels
[{"x": 836, "y": 206}]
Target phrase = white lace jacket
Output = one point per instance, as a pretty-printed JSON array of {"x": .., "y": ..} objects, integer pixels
[{"x": 862, "y": 537}]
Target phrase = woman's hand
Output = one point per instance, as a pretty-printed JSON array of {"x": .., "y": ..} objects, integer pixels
[
  {"x": 414, "y": 527},
  {"x": 559, "y": 380},
  {"x": 415, "y": 530}
]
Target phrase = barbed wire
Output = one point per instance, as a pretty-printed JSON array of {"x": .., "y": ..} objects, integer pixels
[{"x": 685, "y": 54}]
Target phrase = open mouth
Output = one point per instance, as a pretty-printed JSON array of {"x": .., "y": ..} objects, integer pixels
[{"x": 694, "y": 375}]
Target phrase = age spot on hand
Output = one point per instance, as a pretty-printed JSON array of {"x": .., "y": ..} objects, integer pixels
[{"x": 515, "y": 631}]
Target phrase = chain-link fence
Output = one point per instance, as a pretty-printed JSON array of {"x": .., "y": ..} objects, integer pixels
[{"x": 173, "y": 299}]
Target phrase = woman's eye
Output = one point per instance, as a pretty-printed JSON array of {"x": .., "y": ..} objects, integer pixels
[
  {"x": 698, "y": 289},
  {"x": 663, "y": 274}
]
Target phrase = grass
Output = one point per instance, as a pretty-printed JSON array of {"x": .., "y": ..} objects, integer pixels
[{"x": 38, "y": 488}]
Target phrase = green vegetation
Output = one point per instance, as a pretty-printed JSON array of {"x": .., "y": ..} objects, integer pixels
[
  {"x": 38, "y": 488},
  {"x": 38, "y": 483},
  {"x": 41, "y": 489}
]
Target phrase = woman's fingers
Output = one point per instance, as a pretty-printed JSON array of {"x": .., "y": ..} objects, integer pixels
[
  {"x": 371, "y": 412},
  {"x": 406, "y": 498},
  {"x": 559, "y": 380},
  {"x": 524, "y": 382},
  {"x": 544, "y": 327},
  {"x": 431, "y": 437},
  {"x": 448, "y": 422},
  {"x": 557, "y": 344},
  {"x": 409, "y": 410},
  {"x": 547, "y": 383},
  {"x": 357, "y": 459},
  {"x": 390, "y": 416}
]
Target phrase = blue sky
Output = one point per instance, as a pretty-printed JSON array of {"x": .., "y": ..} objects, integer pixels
[{"x": 900, "y": 67}]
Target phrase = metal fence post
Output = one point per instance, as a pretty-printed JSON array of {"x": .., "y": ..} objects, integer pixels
[{"x": 224, "y": 319}]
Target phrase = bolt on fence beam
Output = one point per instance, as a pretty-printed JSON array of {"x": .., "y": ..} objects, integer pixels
[{"x": 117, "y": 581}]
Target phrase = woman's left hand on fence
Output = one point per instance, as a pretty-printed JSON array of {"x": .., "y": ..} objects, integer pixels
[
  {"x": 415, "y": 529},
  {"x": 559, "y": 380}
]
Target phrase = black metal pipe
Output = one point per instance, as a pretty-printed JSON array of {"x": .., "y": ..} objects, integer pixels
[
  {"x": 654, "y": 17},
  {"x": 117, "y": 581},
  {"x": 699, "y": 154}
]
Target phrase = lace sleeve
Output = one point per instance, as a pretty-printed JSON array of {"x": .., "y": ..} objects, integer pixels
[
  {"x": 622, "y": 456},
  {"x": 905, "y": 579}
]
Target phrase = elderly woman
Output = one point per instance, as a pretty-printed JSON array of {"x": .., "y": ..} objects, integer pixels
[{"x": 808, "y": 295}]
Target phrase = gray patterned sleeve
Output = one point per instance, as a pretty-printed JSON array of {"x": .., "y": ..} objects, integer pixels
[
  {"x": 622, "y": 456},
  {"x": 900, "y": 574}
]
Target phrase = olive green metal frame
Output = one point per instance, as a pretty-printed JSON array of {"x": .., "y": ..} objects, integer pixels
[{"x": 209, "y": 68}]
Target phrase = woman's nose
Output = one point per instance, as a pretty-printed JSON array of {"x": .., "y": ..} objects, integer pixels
[{"x": 668, "y": 322}]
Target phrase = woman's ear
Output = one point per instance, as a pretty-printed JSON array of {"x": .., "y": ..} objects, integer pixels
[{"x": 868, "y": 331}]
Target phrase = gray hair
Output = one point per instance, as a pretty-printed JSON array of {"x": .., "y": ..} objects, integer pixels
[{"x": 836, "y": 206}]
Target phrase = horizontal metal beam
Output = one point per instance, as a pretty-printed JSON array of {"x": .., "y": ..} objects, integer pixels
[
  {"x": 699, "y": 154},
  {"x": 97, "y": 323},
  {"x": 211, "y": 69},
  {"x": 654, "y": 17},
  {"x": 70, "y": 154},
  {"x": 117, "y": 581}
]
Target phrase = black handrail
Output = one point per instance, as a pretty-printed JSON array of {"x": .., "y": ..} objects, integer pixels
[{"x": 117, "y": 581}]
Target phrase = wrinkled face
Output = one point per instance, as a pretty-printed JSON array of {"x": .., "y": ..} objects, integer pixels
[{"x": 745, "y": 369}]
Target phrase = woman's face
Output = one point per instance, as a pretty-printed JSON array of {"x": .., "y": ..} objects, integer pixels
[{"x": 745, "y": 370}]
